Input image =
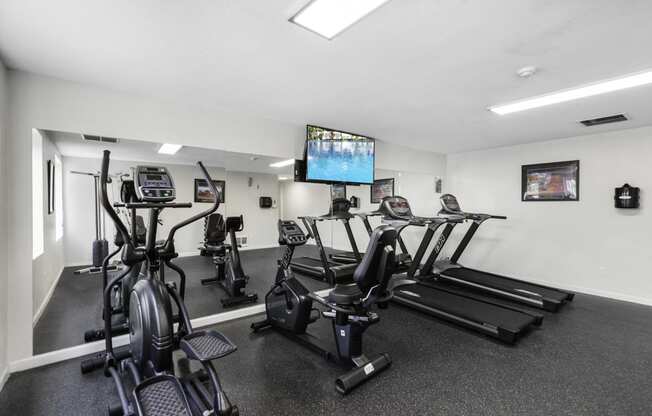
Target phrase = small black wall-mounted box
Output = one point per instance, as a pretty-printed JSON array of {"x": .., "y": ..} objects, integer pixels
[
  {"x": 266, "y": 202},
  {"x": 626, "y": 197}
]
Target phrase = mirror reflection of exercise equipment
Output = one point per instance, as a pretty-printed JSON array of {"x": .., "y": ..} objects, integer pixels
[
  {"x": 147, "y": 364},
  {"x": 226, "y": 257},
  {"x": 100, "y": 246}
]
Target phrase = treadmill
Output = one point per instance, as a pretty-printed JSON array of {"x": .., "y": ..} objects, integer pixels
[
  {"x": 530, "y": 294},
  {"x": 477, "y": 312},
  {"x": 322, "y": 268},
  {"x": 404, "y": 259}
]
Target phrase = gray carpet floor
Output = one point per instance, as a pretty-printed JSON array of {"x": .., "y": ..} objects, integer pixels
[
  {"x": 76, "y": 304},
  {"x": 593, "y": 358}
]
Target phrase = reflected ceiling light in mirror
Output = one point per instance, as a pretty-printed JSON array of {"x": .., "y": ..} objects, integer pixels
[
  {"x": 328, "y": 18},
  {"x": 169, "y": 149},
  {"x": 602, "y": 87},
  {"x": 282, "y": 163}
]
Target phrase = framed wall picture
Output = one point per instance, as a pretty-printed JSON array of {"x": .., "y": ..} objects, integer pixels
[
  {"x": 558, "y": 181},
  {"x": 50, "y": 187},
  {"x": 203, "y": 192},
  {"x": 338, "y": 191},
  {"x": 381, "y": 188}
]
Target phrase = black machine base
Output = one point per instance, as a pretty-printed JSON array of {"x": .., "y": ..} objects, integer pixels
[{"x": 231, "y": 300}]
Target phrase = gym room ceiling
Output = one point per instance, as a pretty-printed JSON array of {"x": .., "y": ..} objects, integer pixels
[{"x": 417, "y": 72}]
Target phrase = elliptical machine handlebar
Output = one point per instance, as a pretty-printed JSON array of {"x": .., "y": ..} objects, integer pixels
[
  {"x": 104, "y": 180},
  {"x": 202, "y": 214}
]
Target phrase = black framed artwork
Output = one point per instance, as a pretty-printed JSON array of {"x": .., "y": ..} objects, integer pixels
[
  {"x": 50, "y": 187},
  {"x": 558, "y": 181},
  {"x": 381, "y": 188},
  {"x": 203, "y": 191}
]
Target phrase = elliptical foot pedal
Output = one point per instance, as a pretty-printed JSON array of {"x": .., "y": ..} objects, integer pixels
[
  {"x": 206, "y": 346},
  {"x": 161, "y": 395}
]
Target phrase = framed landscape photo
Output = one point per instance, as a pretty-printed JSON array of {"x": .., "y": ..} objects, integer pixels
[
  {"x": 203, "y": 191},
  {"x": 381, "y": 188},
  {"x": 558, "y": 181}
]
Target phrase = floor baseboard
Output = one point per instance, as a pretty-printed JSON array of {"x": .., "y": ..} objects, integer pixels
[
  {"x": 46, "y": 300},
  {"x": 4, "y": 377}
]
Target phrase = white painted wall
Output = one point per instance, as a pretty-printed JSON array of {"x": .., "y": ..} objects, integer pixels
[
  {"x": 309, "y": 199},
  {"x": 4, "y": 241},
  {"x": 47, "y": 267},
  {"x": 79, "y": 228},
  {"x": 241, "y": 199},
  {"x": 588, "y": 246},
  {"x": 48, "y": 103}
]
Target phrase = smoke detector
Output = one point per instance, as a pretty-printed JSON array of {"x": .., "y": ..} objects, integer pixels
[{"x": 526, "y": 71}]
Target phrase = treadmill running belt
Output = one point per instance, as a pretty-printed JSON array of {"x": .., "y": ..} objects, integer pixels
[
  {"x": 484, "y": 314},
  {"x": 507, "y": 284}
]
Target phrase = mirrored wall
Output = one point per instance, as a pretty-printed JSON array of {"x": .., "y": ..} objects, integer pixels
[{"x": 67, "y": 285}]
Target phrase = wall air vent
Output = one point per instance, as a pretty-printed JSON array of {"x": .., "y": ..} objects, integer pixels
[
  {"x": 91, "y": 138},
  {"x": 604, "y": 120}
]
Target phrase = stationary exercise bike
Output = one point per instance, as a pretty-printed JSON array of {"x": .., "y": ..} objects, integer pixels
[
  {"x": 226, "y": 257},
  {"x": 148, "y": 360},
  {"x": 289, "y": 305}
]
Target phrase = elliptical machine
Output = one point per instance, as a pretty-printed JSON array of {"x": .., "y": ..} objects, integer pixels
[
  {"x": 148, "y": 359},
  {"x": 289, "y": 305},
  {"x": 120, "y": 297},
  {"x": 226, "y": 258}
]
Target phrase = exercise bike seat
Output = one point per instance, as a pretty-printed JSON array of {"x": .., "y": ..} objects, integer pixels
[
  {"x": 161, "y": 395},
  {"x": 345, "y": 294},
  {"x": 206, "y": 346}
]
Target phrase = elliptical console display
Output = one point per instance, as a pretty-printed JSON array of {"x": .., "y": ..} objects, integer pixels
[{"x": 154, "y": 184}]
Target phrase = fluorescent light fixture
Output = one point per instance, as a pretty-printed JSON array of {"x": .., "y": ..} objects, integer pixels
[
  {"x": 283, "y": 178},
  {"x": 330, "y": 17},
  {"x": 603, "y": 87},
  {"x": 282, "y": 163},
  {"x": 169, "y": 149}
]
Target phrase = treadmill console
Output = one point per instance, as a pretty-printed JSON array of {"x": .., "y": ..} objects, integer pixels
[
  {"x": 154, "y": 184},
  {"x": 449, "y": 205},
  {"x": 290, "y": 234},
  {"x": 396, "y": 207}
]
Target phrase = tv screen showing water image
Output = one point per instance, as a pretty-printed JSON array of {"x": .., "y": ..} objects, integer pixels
[{"x": 336, "y": 156}]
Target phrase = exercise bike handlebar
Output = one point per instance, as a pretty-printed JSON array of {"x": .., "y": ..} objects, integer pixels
[{"x": 202, "y": 214}]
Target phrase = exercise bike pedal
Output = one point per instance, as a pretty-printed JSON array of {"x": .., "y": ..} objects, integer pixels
[
  {"x": 161, "y": 395},
  {"x": 206, "y": 346}
]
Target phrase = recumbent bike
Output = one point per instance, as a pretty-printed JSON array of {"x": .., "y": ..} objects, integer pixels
[
  {"x": 289, "y": 305},
  {"x": 226, "y": 258},
  {"x": 148, "y": 362}
]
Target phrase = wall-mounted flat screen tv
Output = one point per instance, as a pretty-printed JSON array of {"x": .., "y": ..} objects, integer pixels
[{"x": 334, "y": 156}]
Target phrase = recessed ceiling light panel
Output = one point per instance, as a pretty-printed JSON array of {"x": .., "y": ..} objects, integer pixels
[
  {"x": 328, "y": 18},
  {"x": 169, "y": 149},
  {"x": 282, "y": 163},
  {"x": 603, "y": 87}
]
